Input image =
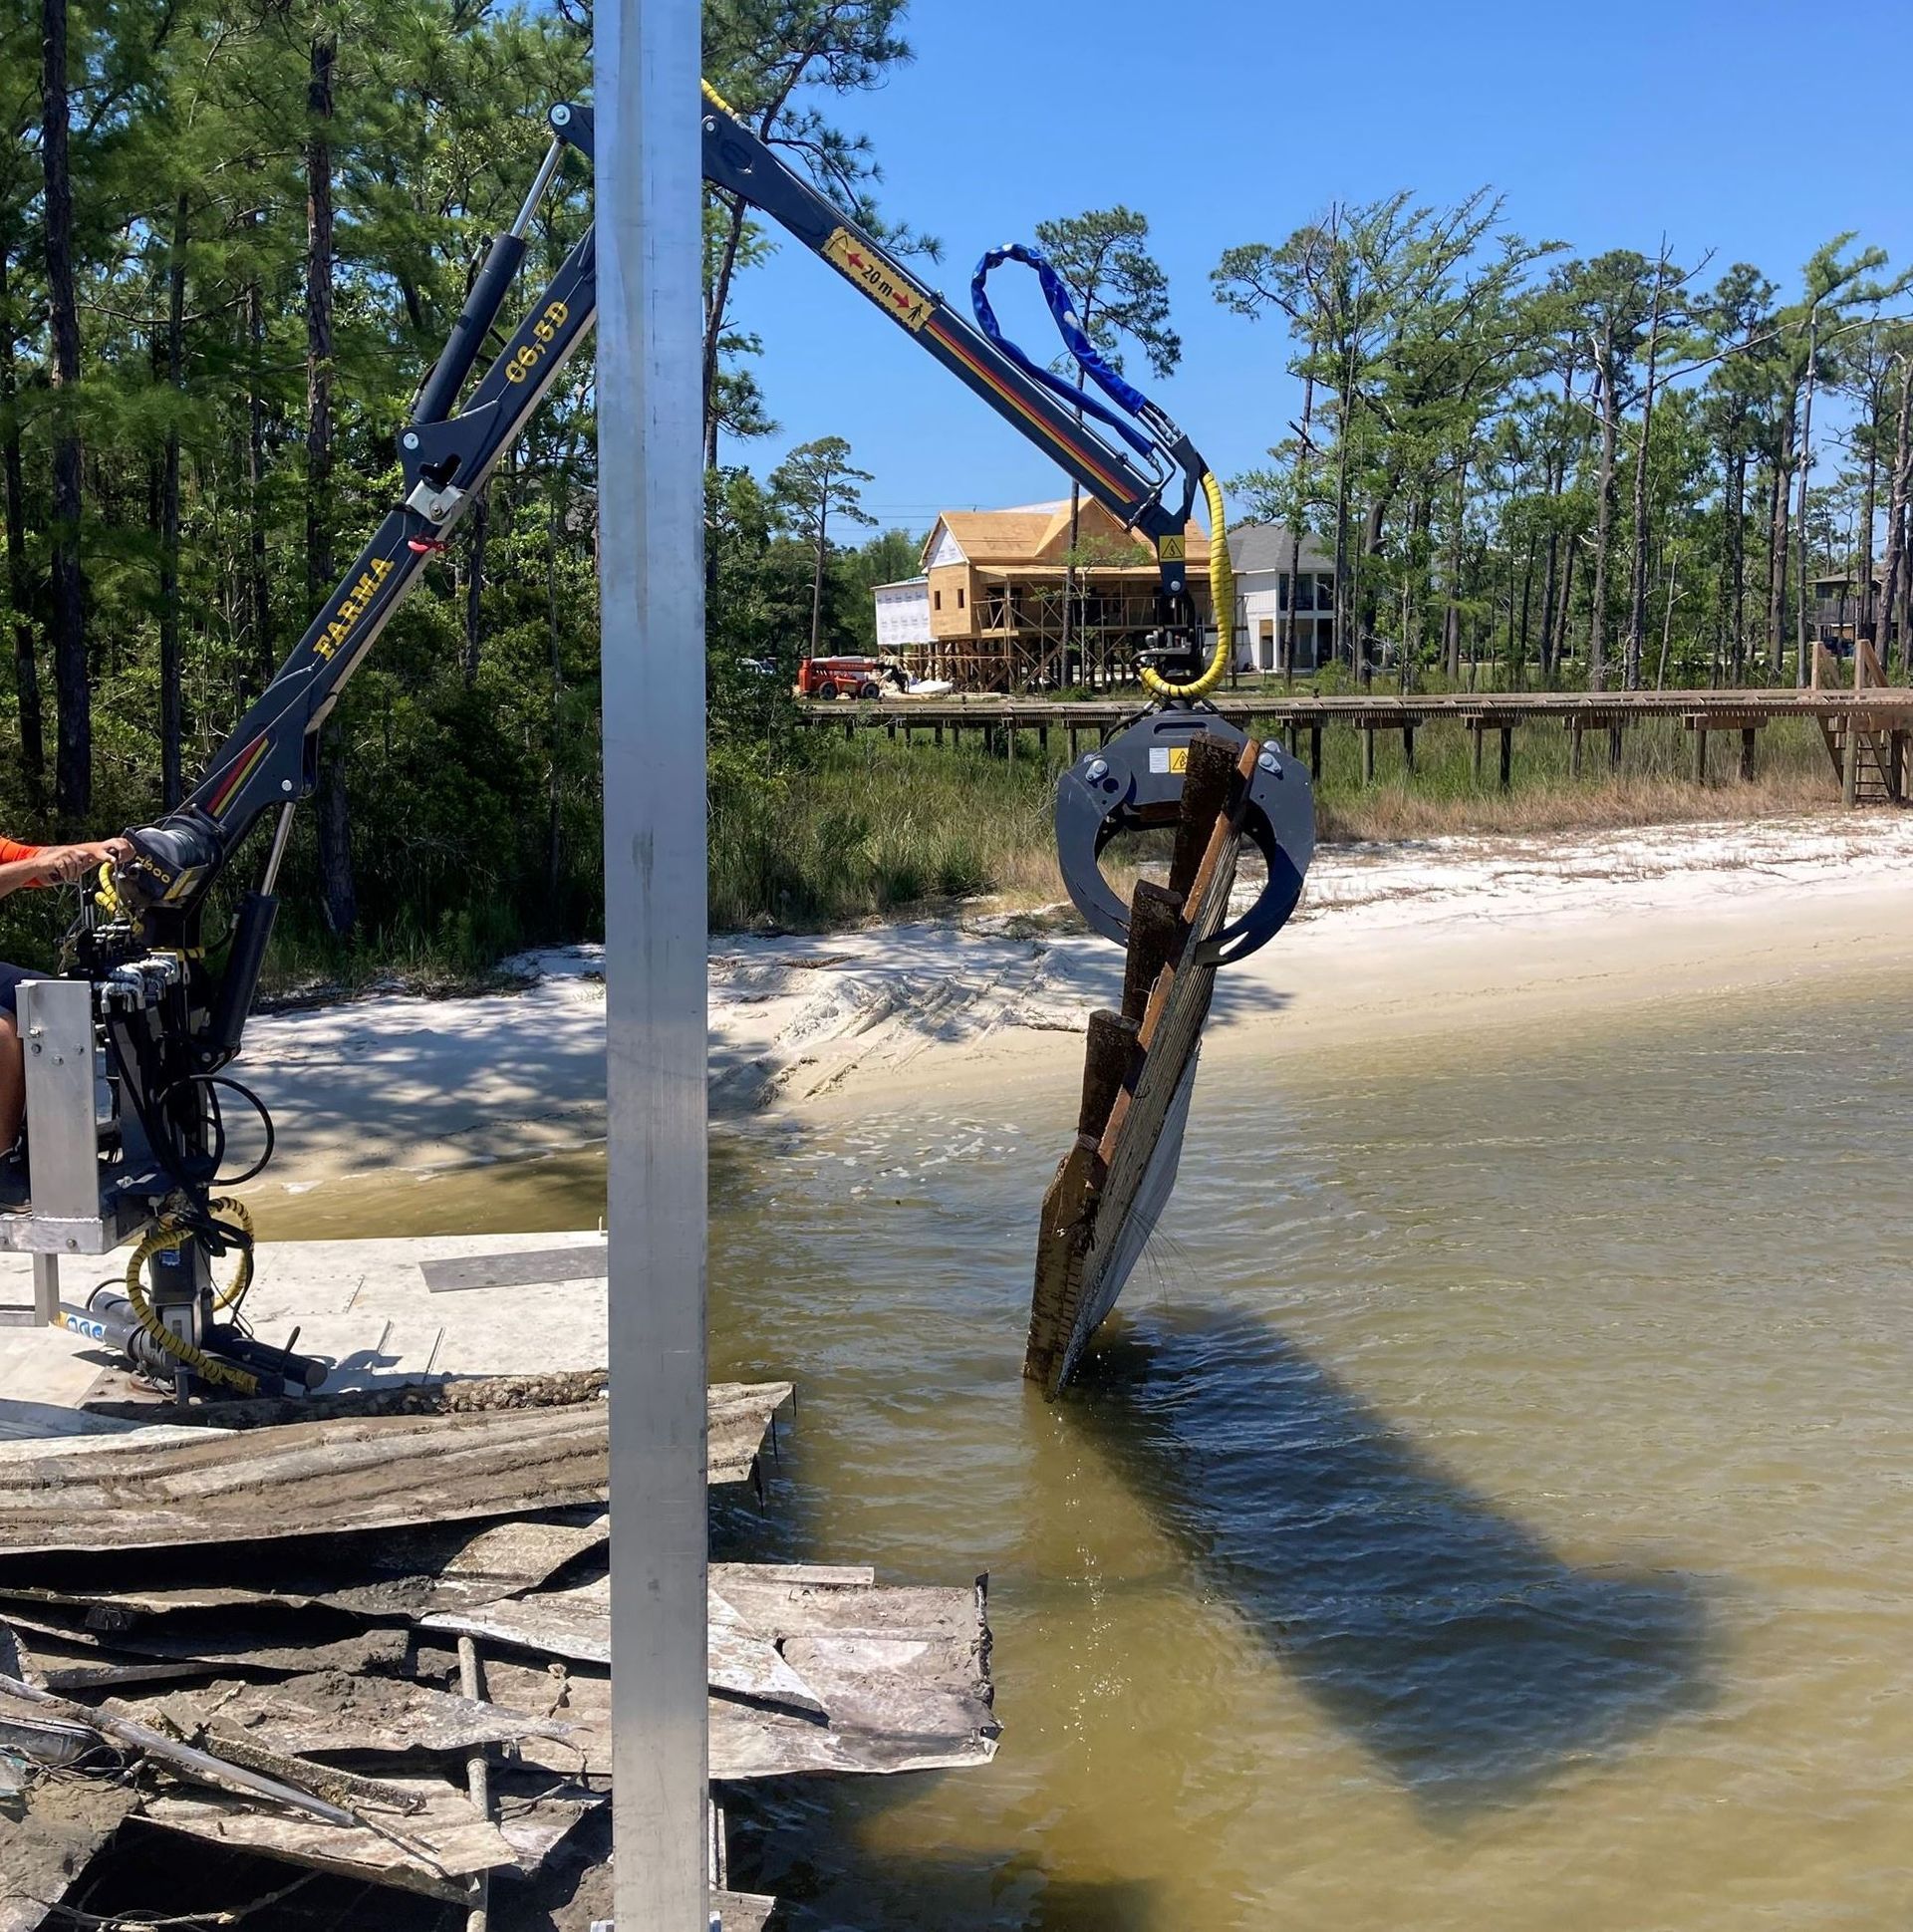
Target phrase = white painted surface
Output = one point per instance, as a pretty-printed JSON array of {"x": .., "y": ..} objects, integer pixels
[
  {"x": 1260, "y": 599},
  {"x": 364, "y": 1307},
  {"x": 903, "y": 613}
]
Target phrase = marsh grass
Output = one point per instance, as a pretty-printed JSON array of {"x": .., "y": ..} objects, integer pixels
[{"x": 876, "y": 828}]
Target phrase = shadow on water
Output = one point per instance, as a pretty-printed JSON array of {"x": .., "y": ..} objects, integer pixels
[
  {"x": 1446, "y": 1639},
  {"x": 787, "y": 1834}
]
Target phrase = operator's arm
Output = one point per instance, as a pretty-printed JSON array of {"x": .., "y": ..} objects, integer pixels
[{"x": 22, "y": 866}]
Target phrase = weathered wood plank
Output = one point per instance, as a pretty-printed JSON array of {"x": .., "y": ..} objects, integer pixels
[
  {"x": 576, "y": 1624},
  {"x": 45, "y": 1844},
  {"x": 67, "y": 1659},
  {"x": 431, "y": 1848},
  {"x": 324, "y": 1478},
  {"x": 395, "y": 1572},
  {"x": 903, "y": 1674},
  {"x": 328, "y": 1714}
]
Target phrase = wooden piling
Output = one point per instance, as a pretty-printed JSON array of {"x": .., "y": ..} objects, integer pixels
[
  {"x": 1205, "y": 782},
  {"x": 1088, "y": 1233},
  {"x": 1112, "y": 1045},
  {"x": 1155, "y": 939}
]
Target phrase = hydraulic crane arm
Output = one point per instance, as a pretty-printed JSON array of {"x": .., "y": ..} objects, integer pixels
[
  {"x": 1148, "y": 473},
  {"x": 447, "y": 453},
  {"x": 270, "y": 761},
  {"x": 173, "y": 1017},
  {"x": 736, "y": 160}
]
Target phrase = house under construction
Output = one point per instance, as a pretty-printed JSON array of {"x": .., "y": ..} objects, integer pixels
[{"x": 1009, "y": 601}]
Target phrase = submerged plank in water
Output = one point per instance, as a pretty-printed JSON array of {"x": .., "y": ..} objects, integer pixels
[{"x": 1138, "y": 1075}]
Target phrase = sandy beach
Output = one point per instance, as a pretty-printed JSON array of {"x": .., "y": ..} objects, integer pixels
[{"x": 1435, "y": 940}]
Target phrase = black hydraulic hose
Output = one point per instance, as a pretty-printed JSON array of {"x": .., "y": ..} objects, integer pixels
[{"x": 213, "y": 1082}]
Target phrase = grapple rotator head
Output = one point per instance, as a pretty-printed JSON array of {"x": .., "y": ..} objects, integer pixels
[{"x": 1135, "y": 782}]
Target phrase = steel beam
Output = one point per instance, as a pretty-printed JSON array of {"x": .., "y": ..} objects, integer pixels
[{"x": 651, "y": 547}]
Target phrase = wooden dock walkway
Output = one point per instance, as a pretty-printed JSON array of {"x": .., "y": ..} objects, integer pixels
[{"x": 1877, "y": 722}]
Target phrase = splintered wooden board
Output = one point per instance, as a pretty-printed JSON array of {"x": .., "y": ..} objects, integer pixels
[
  {"x": 1110, "y": 1188},
  {"x": 897, "y": 1677},
  {"x": 354, "y": 1473},
  {"x": 433, "y": 1848},
  {"x": 47, "y": 1837}
]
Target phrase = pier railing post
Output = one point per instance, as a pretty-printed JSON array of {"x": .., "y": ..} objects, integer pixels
[{"x": 650, "y": 524}]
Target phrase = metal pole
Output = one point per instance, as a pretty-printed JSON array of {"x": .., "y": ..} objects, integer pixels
[{"x": 650, "y": 548}]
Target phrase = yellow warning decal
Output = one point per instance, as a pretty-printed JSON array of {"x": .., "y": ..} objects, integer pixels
[
  {"x": 1170, "y": 550},
  {"x": 878, "y": 278}
]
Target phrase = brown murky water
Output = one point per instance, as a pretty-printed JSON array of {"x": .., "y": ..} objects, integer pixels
[{"x": 1493, "y": 1513}]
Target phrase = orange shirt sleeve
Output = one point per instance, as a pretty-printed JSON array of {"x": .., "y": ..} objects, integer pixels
[{"x": 11, "y": 852}]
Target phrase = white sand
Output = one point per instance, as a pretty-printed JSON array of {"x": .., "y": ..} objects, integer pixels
[{"x": 1400, "y": 942}]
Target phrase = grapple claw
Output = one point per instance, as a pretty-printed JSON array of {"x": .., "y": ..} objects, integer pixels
[{"x": 1135, "y": 781}]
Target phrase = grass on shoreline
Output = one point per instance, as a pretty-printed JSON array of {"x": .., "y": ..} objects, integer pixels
[{"x": 876, "y": 828}]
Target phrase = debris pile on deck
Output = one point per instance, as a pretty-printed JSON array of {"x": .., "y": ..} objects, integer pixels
[
  {"x": 371, "y": 1644},
  {"x": 1139, "y": 1071}
]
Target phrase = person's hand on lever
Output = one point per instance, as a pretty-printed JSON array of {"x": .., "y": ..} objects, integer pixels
[
  {"x": 101, "y": 852},
  {"x": 63, "y": 864}
]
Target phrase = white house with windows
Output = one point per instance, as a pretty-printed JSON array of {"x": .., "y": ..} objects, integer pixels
[
  {"x": 903, "y": 615},
  {"x": 1266, "y": 557}
]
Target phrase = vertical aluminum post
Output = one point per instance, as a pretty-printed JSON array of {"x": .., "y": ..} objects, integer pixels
[{"x": 651, "y": 551}]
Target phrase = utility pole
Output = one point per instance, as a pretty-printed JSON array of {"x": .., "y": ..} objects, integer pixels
[{"x": 651, "y": 588}]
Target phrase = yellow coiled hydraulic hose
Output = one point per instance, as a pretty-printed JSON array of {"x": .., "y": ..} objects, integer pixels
[
  {"x": 1221, "y": 597},
  {"x": 166, "y": 1234},
  {"x": 106, "y": 895}
]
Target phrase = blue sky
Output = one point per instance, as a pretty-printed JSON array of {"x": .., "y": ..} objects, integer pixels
[{"x": 1222, "y": 121}]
